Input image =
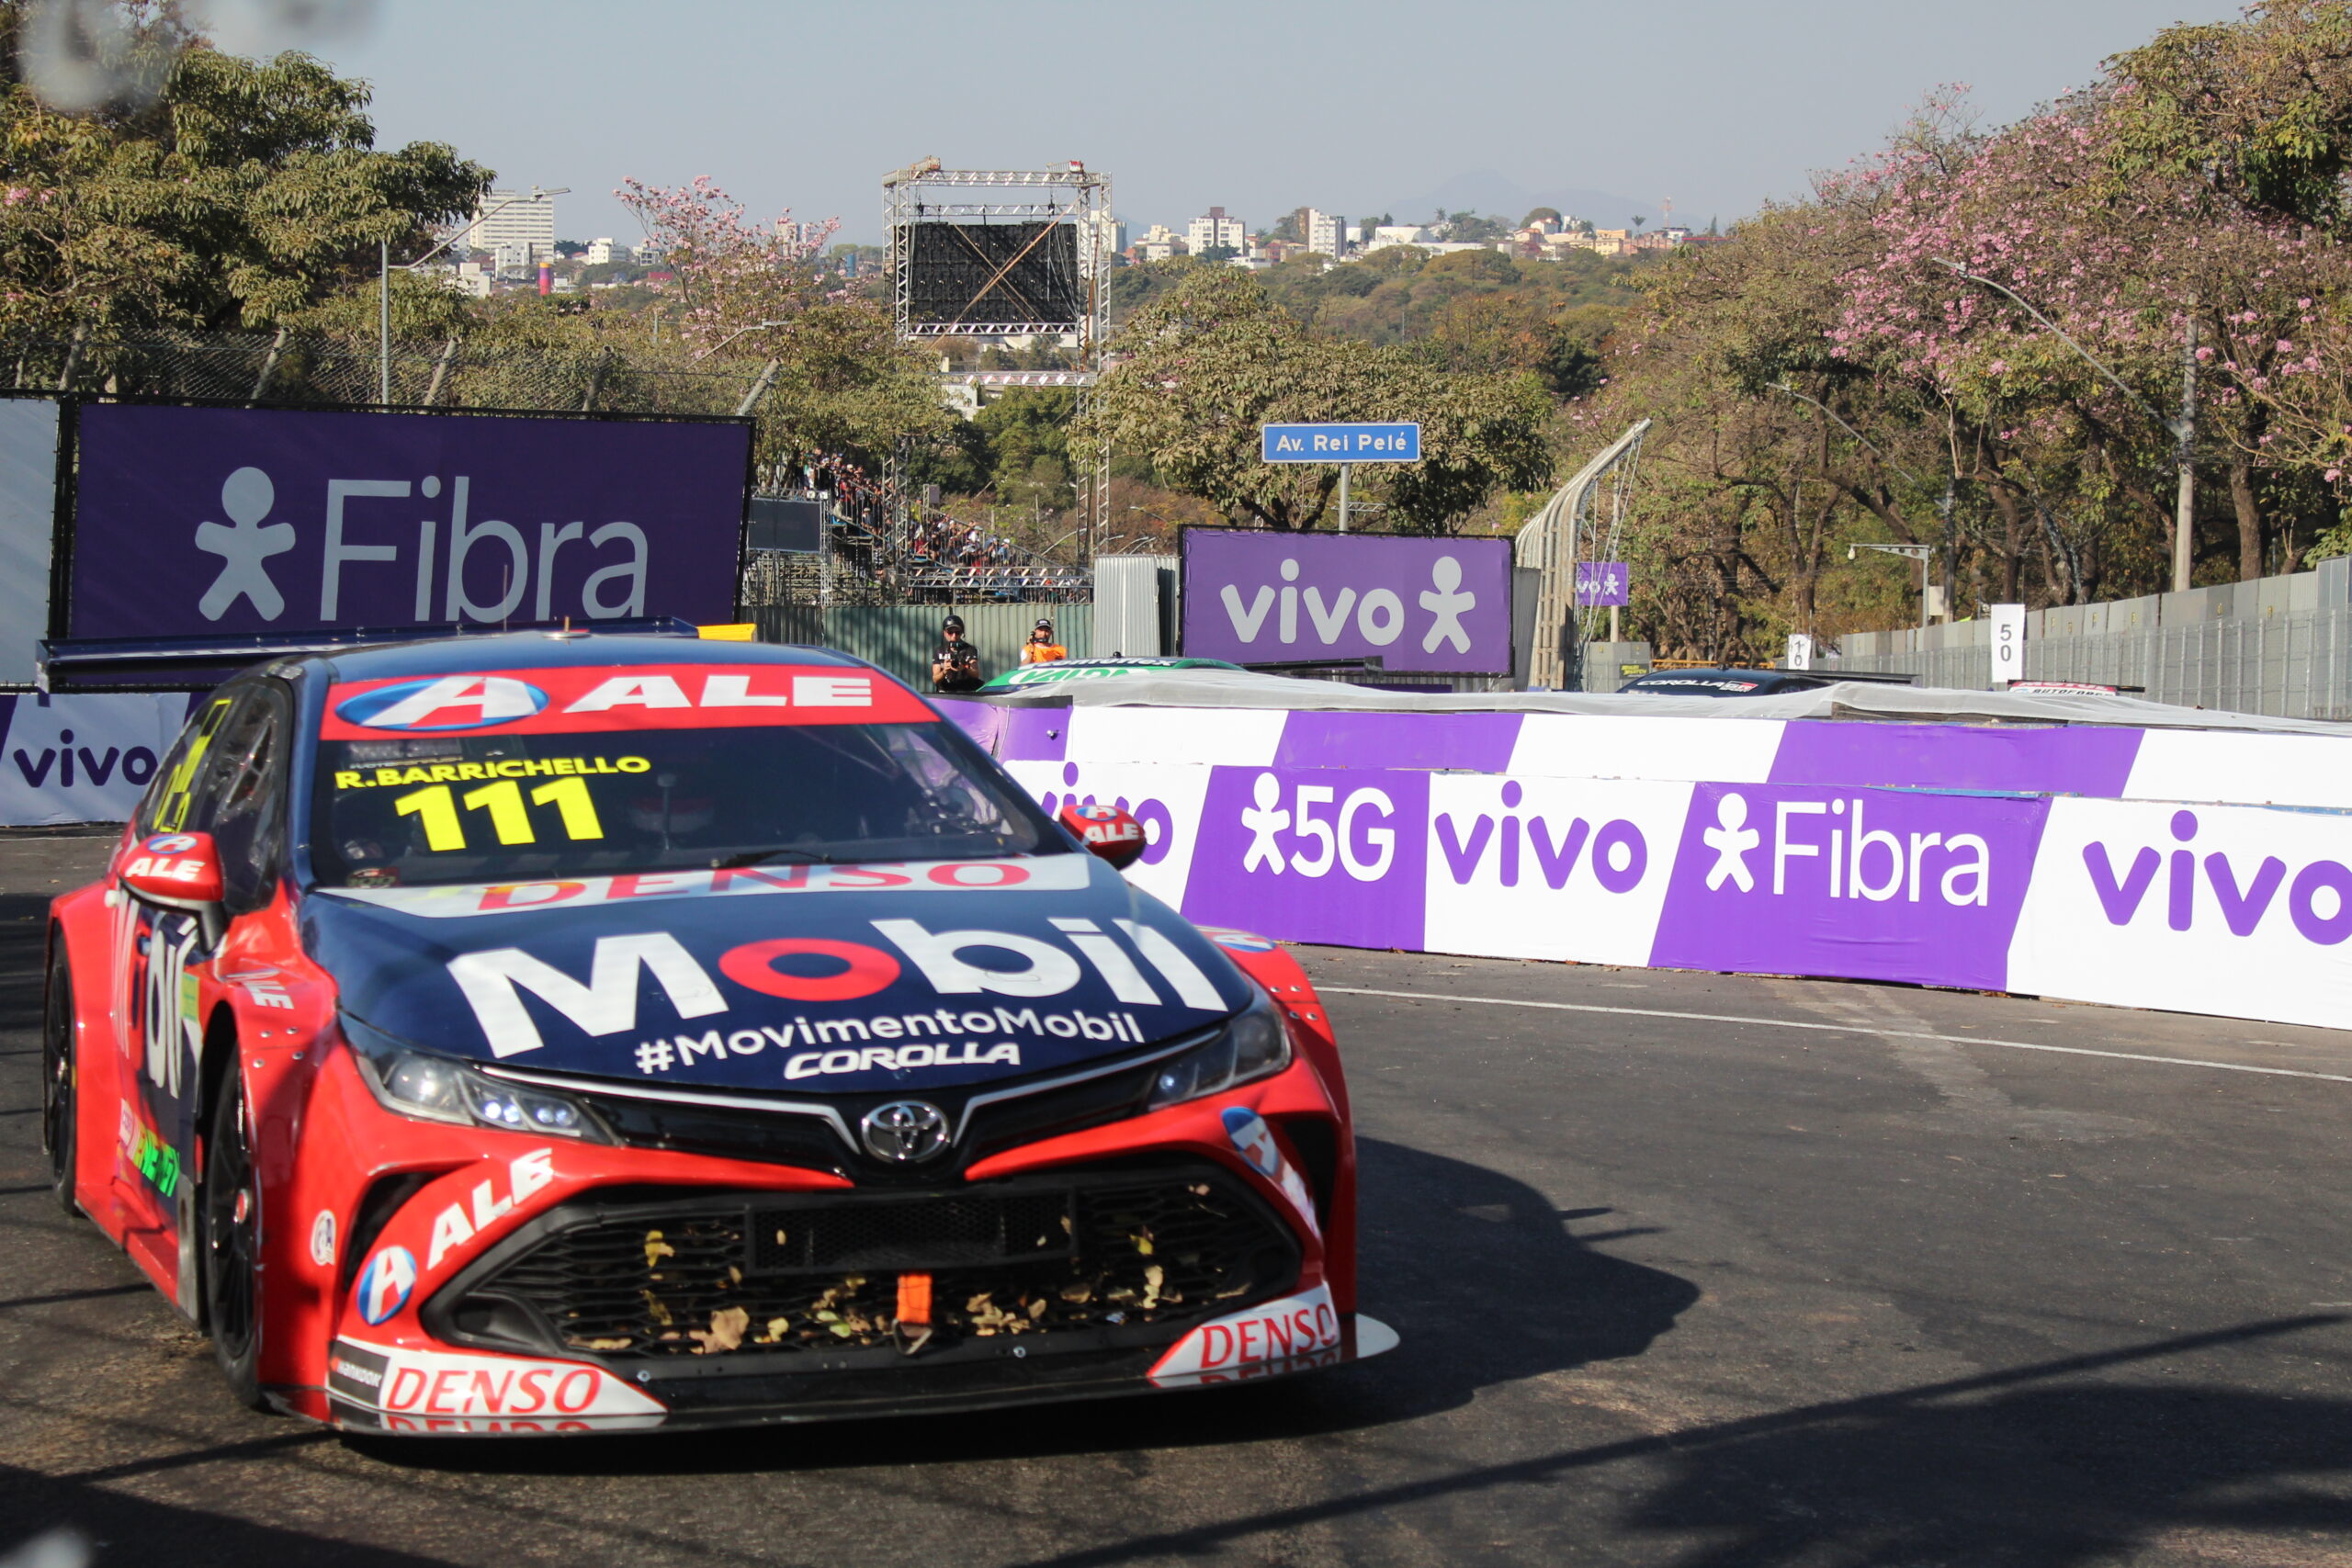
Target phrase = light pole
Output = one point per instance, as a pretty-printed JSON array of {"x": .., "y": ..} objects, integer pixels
[
  {"x": 1923, "y": 554},
  {"x": 731, "y": 337},
  {"x": 384, "y": 280},
  {"x": 2182, "y": 429}
]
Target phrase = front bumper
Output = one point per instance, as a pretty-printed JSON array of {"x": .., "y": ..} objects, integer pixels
[
  {"x": 590, "y": 1288},
  {"x": 389, "y": 1388}
]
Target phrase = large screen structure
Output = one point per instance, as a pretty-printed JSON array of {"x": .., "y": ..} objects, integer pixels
[
  {"x": 1001, "y": 252},
  {"x": 1024, "y": 275}
]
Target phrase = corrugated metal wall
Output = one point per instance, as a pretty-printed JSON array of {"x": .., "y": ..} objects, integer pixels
[
  {"x": 900, "y": 637},
  {"x": 1135, "y": 599},
  {"x": 2279, "y": 646}
]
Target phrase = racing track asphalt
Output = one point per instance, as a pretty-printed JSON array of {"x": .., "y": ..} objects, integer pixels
[{"x": 1678, "y": 1284}]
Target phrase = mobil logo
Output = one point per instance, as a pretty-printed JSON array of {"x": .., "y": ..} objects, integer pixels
[
  {"x": 2210, "y": 880},
  {"x": 1873, "y": 883},
  {"x": 1616, "y": 855},
  {"x": 1314, "y": 855},
  {"x": 1159, "y": 823},
  {"x": 435, "y": 703},
  {"x": 653, "y": 976}
]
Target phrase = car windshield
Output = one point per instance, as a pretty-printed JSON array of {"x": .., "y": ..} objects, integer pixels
[{"x": 409, "y": 809}]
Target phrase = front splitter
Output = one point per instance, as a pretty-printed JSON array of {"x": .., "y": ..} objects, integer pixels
[{"x": 754, "y": 1399}]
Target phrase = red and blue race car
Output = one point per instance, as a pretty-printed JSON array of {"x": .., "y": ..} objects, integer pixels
[{"x": 551, "y": 1033}]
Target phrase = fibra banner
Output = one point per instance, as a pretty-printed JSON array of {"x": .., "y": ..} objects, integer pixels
[
  {"x": 190, "y": 522},
  {"x": 1256, "y": 597},
  {"x": 2059, "y": 861}
]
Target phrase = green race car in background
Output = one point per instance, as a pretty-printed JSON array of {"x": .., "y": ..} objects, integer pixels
[{"x": 1096, "y": 670}]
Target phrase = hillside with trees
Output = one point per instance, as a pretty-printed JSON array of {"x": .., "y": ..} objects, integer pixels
[{"x": 1974, "y": 337}]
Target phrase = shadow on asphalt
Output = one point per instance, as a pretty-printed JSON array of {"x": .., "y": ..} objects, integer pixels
[
  {"x": 1477, "y": 1271},
  {"x": 2018, "y": 1469},
  {"x": 123, "y": 1529}
]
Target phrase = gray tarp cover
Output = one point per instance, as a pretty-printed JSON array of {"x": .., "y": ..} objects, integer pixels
[{"x": 1846, "y": 700}]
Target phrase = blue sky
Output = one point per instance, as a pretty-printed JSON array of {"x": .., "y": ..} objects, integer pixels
[{"x": 1357, "y": 107}]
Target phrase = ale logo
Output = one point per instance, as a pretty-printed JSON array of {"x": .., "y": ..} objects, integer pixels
[
  {"x": 385, "y": 1283},
  {"x": 442, "y": 702}
]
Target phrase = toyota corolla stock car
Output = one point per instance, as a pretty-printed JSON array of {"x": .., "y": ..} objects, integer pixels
[{"x": 548, "y": 1033}]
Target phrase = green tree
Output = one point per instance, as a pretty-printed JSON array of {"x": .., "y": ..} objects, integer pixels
[
  {"x": 1216, "y": 359},
  {"x": 244, "y": 194}
]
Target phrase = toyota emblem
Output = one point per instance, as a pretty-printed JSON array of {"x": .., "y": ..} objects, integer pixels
[{"x": 904, "y": 1130}]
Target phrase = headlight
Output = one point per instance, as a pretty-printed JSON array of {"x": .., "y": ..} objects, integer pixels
[
  {"x": 438, "y": 1089},
  {"x": 1254, "y": 1045}
]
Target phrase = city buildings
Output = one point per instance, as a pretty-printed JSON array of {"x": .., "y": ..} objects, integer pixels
[
  {"x": 513, "y": 217},
  {"x": 1159, "y": 243},
  {"x": 1212, "y": 228},
  {"x": 1326, "y": 234},
  {"x": 601, "y": 252}
]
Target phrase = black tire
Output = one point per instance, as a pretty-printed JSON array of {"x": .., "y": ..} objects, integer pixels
[
  {"x": 57, "y": 1072},
  {"x": 229, "y": 1204}
]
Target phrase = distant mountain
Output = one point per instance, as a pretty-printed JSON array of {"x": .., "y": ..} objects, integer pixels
[{"x": 1487, "y": 192}]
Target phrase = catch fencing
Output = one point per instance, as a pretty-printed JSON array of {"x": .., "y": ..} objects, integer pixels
[
  {"x": 310, "y": 368},
  {"x": 2279, "y": 646}
]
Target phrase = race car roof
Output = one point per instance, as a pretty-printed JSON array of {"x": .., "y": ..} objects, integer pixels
[{"x": 541, "y": 649}]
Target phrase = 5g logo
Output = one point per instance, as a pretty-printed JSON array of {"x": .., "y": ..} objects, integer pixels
[{"x": 1357, "y": 836}]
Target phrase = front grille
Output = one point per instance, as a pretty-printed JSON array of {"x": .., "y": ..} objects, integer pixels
[
  {"x": 923, "y": 1233},
  {"x": 693, "y": 1275}
]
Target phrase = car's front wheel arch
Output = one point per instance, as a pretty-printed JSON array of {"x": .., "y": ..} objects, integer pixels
[{"x": 229, "y": 1208}]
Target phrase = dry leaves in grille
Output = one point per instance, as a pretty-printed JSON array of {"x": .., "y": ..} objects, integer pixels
[
  {"x": 656, "y": 1249},
  {"x": 725, "y": 1334},
  {"x": 1141, "y": 1258}
]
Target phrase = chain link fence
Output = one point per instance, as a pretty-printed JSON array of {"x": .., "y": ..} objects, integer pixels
[
  {"x": 286, "y": 367},
  {"x": 2293, "y": 665}
]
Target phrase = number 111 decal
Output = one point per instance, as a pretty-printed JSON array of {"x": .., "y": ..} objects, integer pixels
[{"x": 436, "y": 806}]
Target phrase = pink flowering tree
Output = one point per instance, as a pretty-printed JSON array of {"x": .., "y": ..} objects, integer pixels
[
  {"x": 730, "y": 274},
  {"x": 2126, "y": 268}
]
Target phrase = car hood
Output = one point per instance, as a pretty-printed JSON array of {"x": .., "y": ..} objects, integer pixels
[{"x": 807, "y": 979}]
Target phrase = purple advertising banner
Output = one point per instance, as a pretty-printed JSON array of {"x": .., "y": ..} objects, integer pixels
[
  {"x": 1869, "y": 884},
  {"x": 198, "y": 521},
  {"x": 1256, "y": 597},
  {"x": 1600, "y": 582},
  {"x": 1318, "y": 854}
]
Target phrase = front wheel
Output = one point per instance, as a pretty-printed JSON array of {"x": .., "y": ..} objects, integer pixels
[
  {"x": 57, "y": 1077},
  {"x": 230, "y": 1204}
]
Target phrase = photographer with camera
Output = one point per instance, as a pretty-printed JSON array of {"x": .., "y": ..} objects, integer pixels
[{"x": 956, "y": 665}]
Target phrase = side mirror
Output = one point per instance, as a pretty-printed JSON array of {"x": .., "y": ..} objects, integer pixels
[
  {"x": 181, "y": 870},
  {"x": 1107, "y": 830}
]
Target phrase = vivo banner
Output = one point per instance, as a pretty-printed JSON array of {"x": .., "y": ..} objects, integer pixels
[
  {"x": 196, "y": 521},
  {"x": 82, "y": 758},
  {"x": 2057, "y": 863},
  {"x": 1256, "y": 597}
]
